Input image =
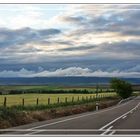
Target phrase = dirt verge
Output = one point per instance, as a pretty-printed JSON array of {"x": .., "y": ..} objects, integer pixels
[{"x": 12, "y": 118}]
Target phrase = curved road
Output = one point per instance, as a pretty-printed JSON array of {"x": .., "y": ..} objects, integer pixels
[{"x": 122, "y": 119}]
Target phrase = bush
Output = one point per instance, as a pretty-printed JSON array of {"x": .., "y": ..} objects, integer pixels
[{"x": 122, "y": 88}]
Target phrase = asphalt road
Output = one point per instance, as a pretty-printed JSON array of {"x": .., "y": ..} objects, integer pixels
[{"x": 122, "y": 119}]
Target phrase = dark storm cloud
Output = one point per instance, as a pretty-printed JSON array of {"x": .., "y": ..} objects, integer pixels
[{"x": 22, "y": 36}]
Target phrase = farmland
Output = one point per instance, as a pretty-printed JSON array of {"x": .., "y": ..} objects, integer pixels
[
  {"x": 31, "y": 98},
  {"x": 44, "y": 87}
]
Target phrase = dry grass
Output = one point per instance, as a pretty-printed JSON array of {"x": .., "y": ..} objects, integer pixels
[{"x": 25, "y": 117}]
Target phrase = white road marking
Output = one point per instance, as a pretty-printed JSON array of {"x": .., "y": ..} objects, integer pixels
[
  {"x": 59, "y": 135},
  {"x": 24, "y": 130},
  {"x": 124, "y": 117},
  {"x": 119, "y": 117},
  {"x": 112, "y": 133},
  {"x": 108, "y": 130},
  {"x": 86, "y": 130},
  {"x": 80, "y": 116},
  {"x": 70, "y": 135}
]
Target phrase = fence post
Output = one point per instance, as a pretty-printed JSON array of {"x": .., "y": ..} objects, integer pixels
[
  {"x": 58, "y": 100},
  {"x": 82, "y": 98},
  {"x": 66, "y": 100},
  {"x": 90, "y": 97},
  {"x": 5, "y": 99},
  {"x": 37, "y": 101},
  {"x": 23, "y": 102},
  {"x": 72, "y": 99},
  {"x": 48, "y": 101},
  {"x": 78, "y": 99}
]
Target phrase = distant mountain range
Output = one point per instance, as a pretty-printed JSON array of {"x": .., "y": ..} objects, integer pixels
[{"x": 62, "y": 81}]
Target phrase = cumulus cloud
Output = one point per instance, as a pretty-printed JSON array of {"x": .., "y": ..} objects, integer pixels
[
  {"x": 71, "y": 71},
  {"x": 20, "y": 73}
]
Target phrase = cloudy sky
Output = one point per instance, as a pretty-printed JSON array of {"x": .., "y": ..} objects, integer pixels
[{"x": 69, "y": 40}]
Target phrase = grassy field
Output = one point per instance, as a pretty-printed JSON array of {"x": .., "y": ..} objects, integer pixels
[
  {"x": 31, "y": 99},
  {"x": 44, "y": 87},
  {"x": 24, "y": 87}
]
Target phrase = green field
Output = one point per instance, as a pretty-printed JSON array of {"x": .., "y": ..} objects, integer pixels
[
  {"x": 27, "y": 87},
  {"x": 30, "y": 99},
  {"x": 44, "y": 87}
]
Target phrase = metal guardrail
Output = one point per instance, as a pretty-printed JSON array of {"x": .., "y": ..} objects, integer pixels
[{"x": 127, "y": 99}]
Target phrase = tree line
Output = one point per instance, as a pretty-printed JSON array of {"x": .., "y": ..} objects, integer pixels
[{"x": 43, "y": 91}]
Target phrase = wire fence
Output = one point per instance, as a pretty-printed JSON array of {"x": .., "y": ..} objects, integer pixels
[{"x": 8, "y": 101}]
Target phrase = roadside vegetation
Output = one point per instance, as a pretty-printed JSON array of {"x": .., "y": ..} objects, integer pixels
[
  {"x": 122, "y": 88},
  {"x": 19, "y": 115}
]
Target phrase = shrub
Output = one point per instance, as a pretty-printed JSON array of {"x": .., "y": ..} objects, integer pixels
[{"x": 122, "y": 88}]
